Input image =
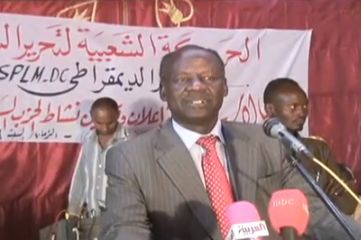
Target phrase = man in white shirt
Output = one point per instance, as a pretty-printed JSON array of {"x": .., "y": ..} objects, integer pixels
[{"x": 89, "y": 182}]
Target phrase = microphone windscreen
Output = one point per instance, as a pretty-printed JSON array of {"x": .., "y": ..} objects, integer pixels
[
  {"x": 289, "y": 208},
  {"x": 242, "y": 212},
  {"x": 272, "y": 127}
]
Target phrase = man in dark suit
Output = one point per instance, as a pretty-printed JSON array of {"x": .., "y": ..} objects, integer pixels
[
  {"x": 286, "y": 100},
  {"x": 158, "y": 186}
]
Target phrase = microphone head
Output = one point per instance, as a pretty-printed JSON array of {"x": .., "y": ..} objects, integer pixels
[
  {"x": 289, "y": 208},
  {"x": 242, "y": 212},
  {"x": 272, "y": 127},
  {"x": 245, "y": 222}
]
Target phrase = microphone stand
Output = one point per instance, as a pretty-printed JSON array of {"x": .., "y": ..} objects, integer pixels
[{"x": 330, "y": 205}]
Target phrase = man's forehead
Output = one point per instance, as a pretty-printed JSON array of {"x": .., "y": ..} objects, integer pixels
[
  {"x": 195, "y": 53},
  {"x": 104, "y": 108},
  {"x": 290, "y": 90},
  {"x": 290, "y": 98},
  {"x": 194, "y": 57}
]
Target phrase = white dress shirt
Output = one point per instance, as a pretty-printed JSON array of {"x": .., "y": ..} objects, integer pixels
[
  {"x": 89, "y": 181},
  {"x": 190, "y": 138}
]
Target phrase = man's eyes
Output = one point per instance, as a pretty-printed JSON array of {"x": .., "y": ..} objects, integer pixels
[
  {"x": 209, "y": 78},
  {"x": 184, "y": 79},
  {"x": 293, "y": 107},
  {"x": 181, "y": 79}
]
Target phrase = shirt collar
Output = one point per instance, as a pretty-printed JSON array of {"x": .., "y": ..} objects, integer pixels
[
  {"x": 190, "y": 137},
  {"x": 120, "y": 134}
]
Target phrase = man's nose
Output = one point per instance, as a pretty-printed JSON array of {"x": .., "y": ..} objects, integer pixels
[
  {"x": 196, "y": 82},
  {"x": 105, "y": 128},
  {"x": 302, "y": 112}
]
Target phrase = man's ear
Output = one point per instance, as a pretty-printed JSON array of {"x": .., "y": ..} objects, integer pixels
[
  {"x": 270, "y": 109},
  {"x": 117, "y": 115},
  {"x": 225, "y": 88},
  {"x": 162, "y": 92}
]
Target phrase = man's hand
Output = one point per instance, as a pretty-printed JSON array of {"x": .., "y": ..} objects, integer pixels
[{"x": 333, "y": 188}]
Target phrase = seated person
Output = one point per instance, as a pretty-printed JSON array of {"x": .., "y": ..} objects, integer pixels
[{"x": 286, "y": 100}]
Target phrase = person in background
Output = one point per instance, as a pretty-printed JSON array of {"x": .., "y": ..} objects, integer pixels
[
  {"x": 89, "y": 182},
  {"x": 176, "y": 181},
  {"x": 286, "y": 100}
]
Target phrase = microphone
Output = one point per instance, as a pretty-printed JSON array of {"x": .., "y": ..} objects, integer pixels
[
  {"x": 288, "y": 213},
  {"x": 245, "y": 222},
  {"x": 274, "y": 128}
]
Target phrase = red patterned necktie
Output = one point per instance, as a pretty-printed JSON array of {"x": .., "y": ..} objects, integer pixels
[{"x": 218, "y": 187}]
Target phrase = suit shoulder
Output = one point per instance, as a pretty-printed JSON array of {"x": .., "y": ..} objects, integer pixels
[
  {"x": 249, "y": 132},
  {"x": 245, "y": 128},
  {"x": 316, "y": 141},
  {"x": 317, "y": 138},
  {"x": 133, "y": 150},
  {"x": 143, "y": 140}
]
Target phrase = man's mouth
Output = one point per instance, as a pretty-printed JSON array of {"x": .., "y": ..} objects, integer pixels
[
  {"x": 300, "y": 121},
  {"x": 198, "y": 102}
]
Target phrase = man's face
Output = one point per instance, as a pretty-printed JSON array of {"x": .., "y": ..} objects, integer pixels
[
  {"x": 291, "y": 107},
  {"x": 194, "y": 88},
  {"x": 105, "y": 120}
]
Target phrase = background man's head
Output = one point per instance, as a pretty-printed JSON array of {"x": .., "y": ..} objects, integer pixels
[
  {"x": 193, "y": 83},
  {"x": 105, "y": 113},
  {"x": 286, "y": 100}
]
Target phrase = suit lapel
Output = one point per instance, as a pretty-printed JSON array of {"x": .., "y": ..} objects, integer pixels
[
  {"x": 242, "y": 163},
  {"x": 175, "y": 160}
]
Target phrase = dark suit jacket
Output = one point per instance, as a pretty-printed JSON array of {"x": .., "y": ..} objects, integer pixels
[
  {"x": 322, "y": 152},
  {"x": 155, "y": 191}
]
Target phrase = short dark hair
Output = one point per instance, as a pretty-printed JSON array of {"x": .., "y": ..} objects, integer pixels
[
  {"x": 169, "y": 59},
  {"x": 278, "y": 85},
  {"x": 104, "y": 102}
]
